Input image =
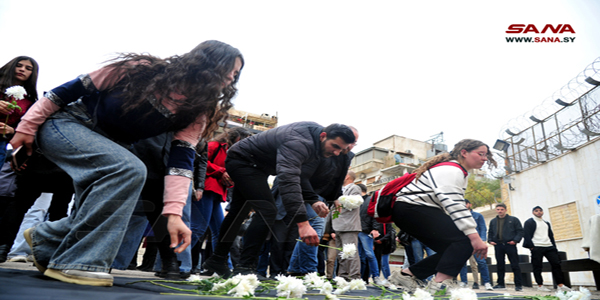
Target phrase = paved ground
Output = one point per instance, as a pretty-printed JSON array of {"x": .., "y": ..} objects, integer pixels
[{"x": 139, "y": 274}]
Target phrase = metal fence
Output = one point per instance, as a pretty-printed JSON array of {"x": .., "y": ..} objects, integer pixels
[{"x": 575, "y": 123}]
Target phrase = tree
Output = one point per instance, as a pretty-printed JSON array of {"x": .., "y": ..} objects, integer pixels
[{"x": 483, "y": 191}]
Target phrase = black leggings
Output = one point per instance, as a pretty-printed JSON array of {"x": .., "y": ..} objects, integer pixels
[{"x": 434, "y": 228}]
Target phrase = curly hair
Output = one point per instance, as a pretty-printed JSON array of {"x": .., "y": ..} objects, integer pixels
[
  {"x": 197, "y": 75},
  {"x": 465, "y": 144},
  {"x": 7, "y": 77},
  {"x": 231, "y": 135}
]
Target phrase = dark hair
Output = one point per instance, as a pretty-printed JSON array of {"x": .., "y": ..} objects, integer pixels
[
  {"x": 336, "y": 130},
  {"x": 465, "y": 144},
  {"x": 501, "y": 205},
  {"x": 467, "y": 201},
  {"x": 230, "y": 136},
  {"x": 362, "y": 187},
  {"x": 197, "y": 75},
  {"x": 7, "y": 76},
  {"x": 537, "y": 208}
]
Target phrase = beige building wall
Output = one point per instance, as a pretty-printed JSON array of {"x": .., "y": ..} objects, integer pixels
[
  {"x": 566, "y": 188},
  {"x": 402, "y": 144}
]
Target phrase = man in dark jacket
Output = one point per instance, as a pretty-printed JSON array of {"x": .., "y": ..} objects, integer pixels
[
  {"x": 539, "y": 238},
  {"x": 368, "y": 262},
  {"x": 505, "y": 232},
  {"x": 281, "y": 151}
]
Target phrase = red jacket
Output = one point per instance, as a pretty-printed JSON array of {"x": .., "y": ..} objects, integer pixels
[{"x": 215, "y": 167}]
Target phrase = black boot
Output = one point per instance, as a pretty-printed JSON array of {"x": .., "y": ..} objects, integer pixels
[
  {"x": 170, "y": 265},
  {"x": 217, "y": 264},
  {"x": 3, "y": 252}
]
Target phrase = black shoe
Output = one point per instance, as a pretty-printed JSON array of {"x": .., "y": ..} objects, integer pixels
[
  {"x": 217, "y": 264},
  {"x": 475, "y": 286},
  {"x": 3, "y": 253},
  {"x": 170, "y": 269},
  {"x": 247, "y": 271},
  {"x": 206, "y": 273},
  {"x": 296, "y": 274},
  {"x": 499, "y": 286},
  {"x": 184, "y": 275},
  {"x": 518, "y": 288}
]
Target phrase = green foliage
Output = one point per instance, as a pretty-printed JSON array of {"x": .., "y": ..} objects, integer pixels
[{"x": 483, "y": 191}]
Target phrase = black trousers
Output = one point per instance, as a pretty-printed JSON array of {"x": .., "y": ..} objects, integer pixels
[
  {"x": 551, "y": 254},
  {"x": 434, "y": 228},
  {"x": 503, "y": 249},
  {"x": 29, "y": 188},
  {"x": 251, "y": 191}
]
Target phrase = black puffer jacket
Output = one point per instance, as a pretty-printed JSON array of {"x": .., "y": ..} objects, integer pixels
[{"x": 282, "y": 151}]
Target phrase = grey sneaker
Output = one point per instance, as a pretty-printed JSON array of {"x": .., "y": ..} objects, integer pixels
[
  {"x": 27, "y": 235},
  {"x": 440, "y": 288},
  {"x": 542, "y": 288},
  {"x": 81, "y": 277},
  {"x": 407, "y": 282}
]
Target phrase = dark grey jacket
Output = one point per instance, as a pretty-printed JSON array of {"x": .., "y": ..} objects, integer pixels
[
  {"x": 283, "y": 151},
  {"x": 512, "y": 230}
]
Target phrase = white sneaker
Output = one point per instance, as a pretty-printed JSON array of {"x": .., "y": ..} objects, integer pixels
[
  {"x": 18, "y": 258},
  {"x": 543, "y": 289},
  {"x": 462, "y": 284},
  {"x": 488, "y": 286},
  {"x": 380, "y": 281},
  {"x": 563, "y": 288}
]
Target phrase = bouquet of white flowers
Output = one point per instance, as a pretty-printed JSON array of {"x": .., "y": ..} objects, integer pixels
[
  {"x": 349, "y": 203},
  {"x": 13, "y": 93}
]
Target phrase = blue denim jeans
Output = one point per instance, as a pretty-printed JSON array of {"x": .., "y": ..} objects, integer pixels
[
  {"x": 304, "y": 257},
  {"x": 207, "y": 212},
  {"x": 418, "y": 249},
  {"x": 108, "y": 180},
  {"x": 367, "y": 255},
  {"x": 483, "y": 270},
  {"x": 133, "y": 236},
  {"x": 3, "y": 144},
  {"x": 385, "y": 265},
  {"x": 35, "y": 214}
]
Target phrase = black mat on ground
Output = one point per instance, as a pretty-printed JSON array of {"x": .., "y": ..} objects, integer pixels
[{"x": 32, "y": 285}]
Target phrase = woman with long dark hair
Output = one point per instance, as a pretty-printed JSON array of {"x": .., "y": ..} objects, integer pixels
[
  {"x": 432, "y": 209},
  {"x": 86, "y": 126},
  {"x": 20, "y": 71}
]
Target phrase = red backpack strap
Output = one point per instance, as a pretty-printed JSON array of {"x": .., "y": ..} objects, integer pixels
[{"x": 451, "y": 163}]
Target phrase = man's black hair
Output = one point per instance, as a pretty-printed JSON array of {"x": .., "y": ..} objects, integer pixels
[{"x": 339, "y": 130}]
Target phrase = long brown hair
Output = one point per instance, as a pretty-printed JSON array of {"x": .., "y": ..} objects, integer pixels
[
  {"x": 7, "y": 77},
  {"x": 197, "y": 75},
  {"x": 465, "y": 144}
]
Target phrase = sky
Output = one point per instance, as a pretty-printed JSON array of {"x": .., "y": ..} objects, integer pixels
[{"x": 409, "y": 68}]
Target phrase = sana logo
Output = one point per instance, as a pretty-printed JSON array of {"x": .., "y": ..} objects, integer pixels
[{"x": 548, "y": 28}]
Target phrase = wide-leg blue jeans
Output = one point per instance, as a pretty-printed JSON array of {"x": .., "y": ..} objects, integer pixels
[{"x": 108, "y": 180}]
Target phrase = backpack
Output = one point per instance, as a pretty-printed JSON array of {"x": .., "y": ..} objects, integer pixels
[{"x": 382, "y": 203}]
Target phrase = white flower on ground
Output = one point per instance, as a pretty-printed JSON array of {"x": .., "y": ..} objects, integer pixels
[
  {"x": 419, "y": 294},
  {"x": 357, "y": 284},
  {"x": 17, "y": 92},
  {"x": 351, "y": 202},
  {"x": 239, "y": 285},
  {"x": 348, "y": 251},
  {"x": 313, "y": 281},
  {"x": 342, "y": 285},
  {"x": 463, "y": 294},
  {"x": 341, "y": 282},
  {"x": 326, "y": 288},
  {"x": 582, "y": 294},
  {"x": 194, "y": 278},
  {"x": 290, "y": 287}
]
